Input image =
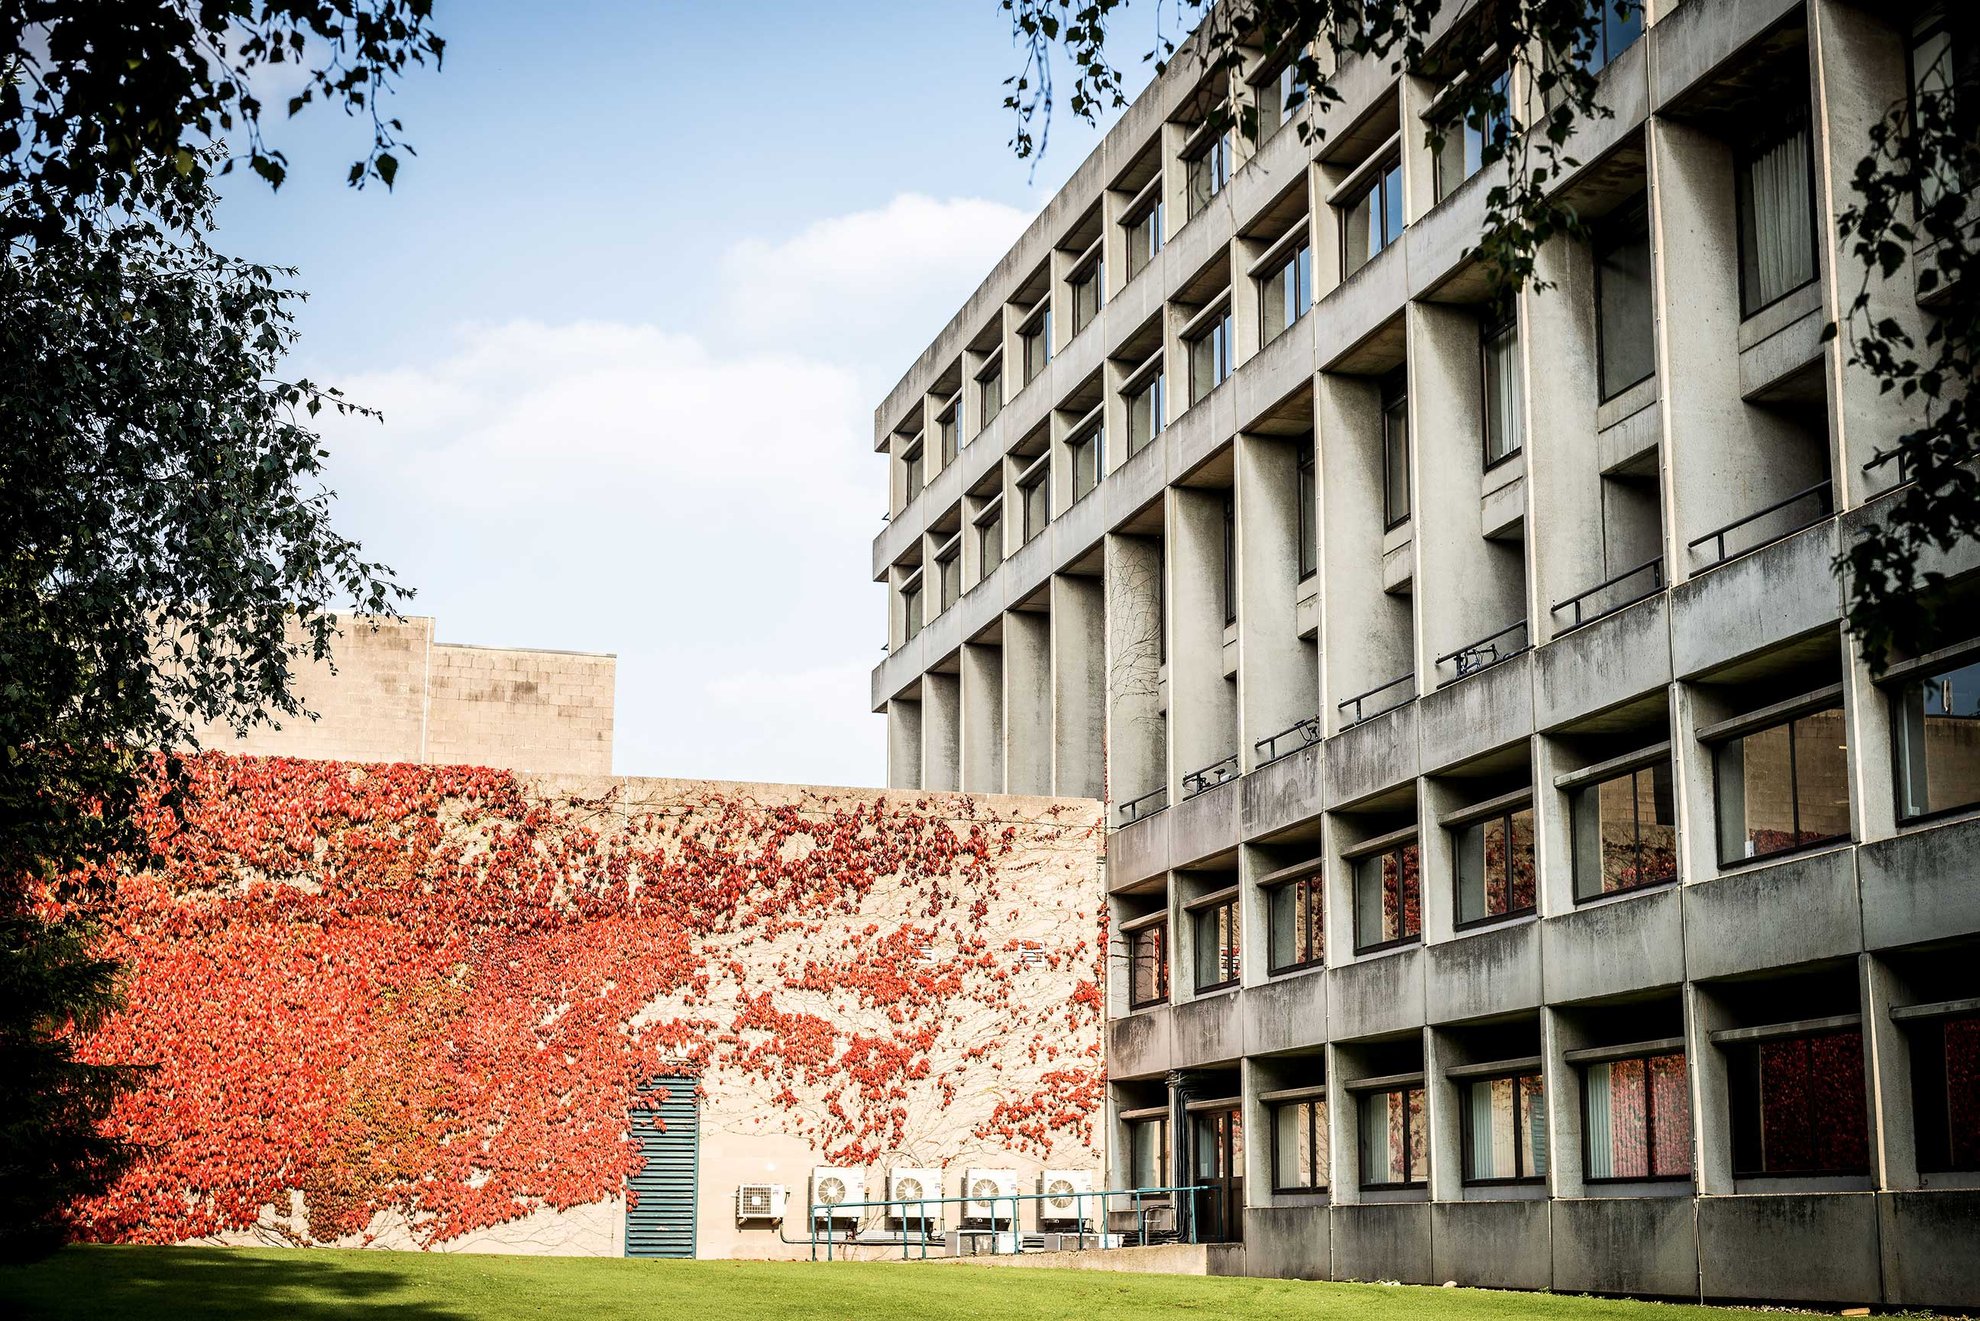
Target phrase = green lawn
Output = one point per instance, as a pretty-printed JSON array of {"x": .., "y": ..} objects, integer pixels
[{"x": 294, "y": 1285}]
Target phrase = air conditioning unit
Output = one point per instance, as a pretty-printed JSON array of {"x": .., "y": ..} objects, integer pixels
[
  {"x": 760, "y": 1201},
  {"x": 905, "y": 1185},
  {"x": 1063, "y": 1205},
  {"x": 833, "y": 1188},
  {"x": 989, "y": 1193}
]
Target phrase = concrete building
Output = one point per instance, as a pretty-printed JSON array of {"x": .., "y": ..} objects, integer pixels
[
  {"x": 1516, "y": 876},
  {"x": 397, "y": 694}
]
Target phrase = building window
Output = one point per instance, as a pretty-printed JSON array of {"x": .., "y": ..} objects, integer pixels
[
  {"x": 990, "y": 394},
  {"x": 1208, "y": 170},
  {"x": 1215, "y": 928},
  {"x": 1505, "y": 1130},
  {"x": 911, "y": 475},
  {"x": 1299, "y": 1146},
  {"x": 1144, "y": 409},
  {"x": 1148, "y": 1153},
  {"x": 1285, "y": 293},
  {"x": 1230, "y": 584},
  {"x": 1776, "y": 218},
  {"x": 1309, "y": 514},
  {"x": 1937, "y": 719},
  {"x": 945, "y": 433},
  {"x": 911, "y": 605},
  {"x": 990, "y": 537},
  {"x": 1625, "y": 322},
  {"x": 1495, "y": 876},
  {"x": 948, "y": 571},
  {"x": 1620, "y": 25},
  {"x": 1395, "y": 1144},
  {"x": 1945, "y": 1092},
  {"x": 1148, "y": 965},
  {"x": 1279, "y": 99},
  {"x": 1388, "y": 906},
  {"x": 1086, "y": 287},
  {"x": 1782, "y": 788},
  {"x": 1395, "y": 451},
  {"x": 1505, "y": 395},
  {"x": 1294, "y": 911},
  {"x": 1144, "y": 235},
  {"x": 1210, "y": 354},
  {"x": 1035, "y": 340},
  {"x": 1625, "y": 833},
  {"x": 1943, "y": 62},
  {"x": 1088, "y": 452},
  {"x": 1035, "y": 496},
  {"x": 1637, "y": 1118},
  {"x": 1798, "y": 1106},
  {"x": 1466, "y": 136},
  {"x": 1373, "y": 219}
]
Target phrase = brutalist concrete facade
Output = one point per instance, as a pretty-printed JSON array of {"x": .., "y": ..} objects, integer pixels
[{"x": 1364, "y": 591}]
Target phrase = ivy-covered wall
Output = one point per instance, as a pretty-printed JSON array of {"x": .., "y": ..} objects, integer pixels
[{"x": 411, "y": 1005}]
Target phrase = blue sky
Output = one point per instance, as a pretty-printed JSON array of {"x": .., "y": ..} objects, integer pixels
[{"x": 628, "y": 312}]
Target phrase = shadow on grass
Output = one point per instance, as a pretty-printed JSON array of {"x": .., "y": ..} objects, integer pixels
[{"x": 167, "y": 1283}]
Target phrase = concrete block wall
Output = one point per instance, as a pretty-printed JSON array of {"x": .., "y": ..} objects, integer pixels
[{"x": 394, "y": 693}]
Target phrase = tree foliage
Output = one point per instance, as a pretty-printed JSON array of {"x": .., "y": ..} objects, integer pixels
[
  {"x": 1912, "y": 191},
  {"x": 166, "y": 550}
]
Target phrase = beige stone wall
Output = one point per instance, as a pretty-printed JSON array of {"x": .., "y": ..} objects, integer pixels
[{"x": 395, "y": 693}]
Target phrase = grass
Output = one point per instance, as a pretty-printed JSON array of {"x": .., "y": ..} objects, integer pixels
[{"x": 317, "y": 1284}]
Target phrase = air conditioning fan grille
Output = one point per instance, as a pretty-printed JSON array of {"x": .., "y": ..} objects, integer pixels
[
  {"x": 1060, "y": 1194},
  {"x": 908, "y": 1190},
  {"x": 831, "y": 1192}
]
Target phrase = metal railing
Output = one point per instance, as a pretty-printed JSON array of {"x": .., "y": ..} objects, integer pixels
[
  {"x": 1405, "y": 689},
  {"x": 1302, "y": 735},
  {"x": 1180, "y": 1199},
  {"x": 1582, "y": 613},
  {"x": 1488, "y": 651},
  {"x": 1216, "y": 773},
  {"x": 1824, "y": 506},
  {"x": 1135, "y": 809}
]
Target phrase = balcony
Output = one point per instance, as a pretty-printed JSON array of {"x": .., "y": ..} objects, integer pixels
[
  {"x": 1379, "y": 700},
  {"x": 1485, "y": 653},
  {"x": 1286, "y": 742},
  {"x": 1763, "y": 527},
  {"x": 1216, "y": 773},
  {"x": 1609, "y": 596}
]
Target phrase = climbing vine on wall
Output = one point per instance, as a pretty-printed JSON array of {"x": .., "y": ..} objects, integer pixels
[{"x": 424, "y": 997}]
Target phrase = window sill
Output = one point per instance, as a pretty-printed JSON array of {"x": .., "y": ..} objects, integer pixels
[
  {"x": 1759, "y": 861},
  {"x": 1146, "y": 1005},
  {"x": 1478, "y": 924},
  {"x": 1215, "y": 989},
  {"x": 1944, "y": 816},
  {"x": 1611, "y": 896},
  {"x": 1388, "y": 947},
  {"x": 1748, "y": 1185},
  {"x": 1295, "y": 969}
]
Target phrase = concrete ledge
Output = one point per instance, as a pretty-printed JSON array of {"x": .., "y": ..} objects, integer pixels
[
  {"x": 1492, "y": 1245},
  {"x": 1382, "y": 1241},
  {"x": 1161, "y": 1259},
  {"x": 1919, "y": 886},
  {"x": 1288, "y": 1242},
  {"x": 1931, "y": 1257},
  {"x": 1626, "y": 1245},
  {"x": 1818, "y": 1248}
]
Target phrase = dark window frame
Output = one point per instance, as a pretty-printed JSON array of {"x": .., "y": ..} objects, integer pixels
[
  {"x": 1094, "y": 437},
  {"x": 1743, "y": 1071},
  {"x": 1457, "y": 874},
  {"x": 1036, "y": 477},
  {"x": 1459, "y": 124},
  {"x": 1719, "y": 801},
  {"x": 1521, "y": 1138},
  {"x": 1395, "y": 394},
  {"x": 1230, "y": 952},
  {"x": 1649, "y": 1123},
  {"x": 1219, "y": 332},
  {"x": 1320, "y": 1161},
  {"x": 1931, "y": 1086},
  {"x": 1799, "y": 122},
  {"x": 1495, "y": 328},
  {"x": 1378, "y": 188},
  {"x": 1307, "y": 494},
  {"x": 1315, "y": 882},
  {"x": 1230, "y": 582},
  {"x": 1160, "y": 930},
  {"x": 1411, "y": 1178},
  {"x": 1587, "y": 792},
  {"x": 1604, "y": 240},
  {"x": 1895, "y": 695},
  {"x": 1354, "y": 884}
]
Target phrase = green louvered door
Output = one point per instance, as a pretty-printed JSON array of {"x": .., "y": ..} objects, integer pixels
[{"x": 660, "y": 1214}]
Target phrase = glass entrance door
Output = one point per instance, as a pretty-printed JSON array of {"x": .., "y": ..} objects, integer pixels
[{"x": 1218, "y": 1168}]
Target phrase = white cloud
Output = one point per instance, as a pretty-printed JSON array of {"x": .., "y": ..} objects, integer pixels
[{"x": 698, "y": 499}]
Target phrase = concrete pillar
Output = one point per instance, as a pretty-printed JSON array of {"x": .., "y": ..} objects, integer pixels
[
  {"x": 1443, "y": 1111},
  {"x": 1203, "y": 715},
  {"x": 1858, "y": 57},
  {"x": 941, "y": 725},
  {"x": 982, "y": 675},
  {"x": 1562, "y": 1083},
  {"x": 1137, "y": 728},
  {"x": 1277, "y": 683},
  {"x": 1887, "y": 1077},
  {"x": 1028, "y": 702},
  {"x": 1563, "y": 473},
  {"x": 1368, "y": 631},
  {"x": 1711, "y": 1118},
  {"x": 1726, "y": 458},
  {"x": 1469, "y": 587},
  {"x": 904, "y": 743},
  {"x": 1079, "y": 704}
]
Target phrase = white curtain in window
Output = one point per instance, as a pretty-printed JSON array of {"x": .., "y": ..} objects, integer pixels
[
  {"x": 1601, "y": 1151},
  {"x": 1782, "y": 242},
  {"x": 1484, "y": 1153},
  {"x": 1504, "y": 424}
]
